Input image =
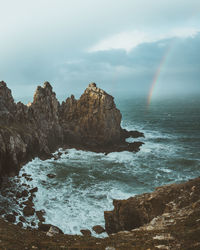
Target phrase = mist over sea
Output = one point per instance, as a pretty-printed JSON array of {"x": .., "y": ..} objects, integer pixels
[{"x": 87, "y": 182}]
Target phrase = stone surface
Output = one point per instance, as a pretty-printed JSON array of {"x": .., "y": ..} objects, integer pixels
[
  {"x": 176, "y": 228},
  {"x": 98, "y": 229},
  {"x": 153, "y": 208},
  {"x": 33, "y": 190},
  {"x": 39, "y": 128},
  {"x": 40, "y": 215},
  {"x": 49, "y": 227},
  {"x": 85, "y": 232},
  {"x": 28, "y": 210},
  {"x": 53, "y": 230},
  {"x": 51, "y": 176}
]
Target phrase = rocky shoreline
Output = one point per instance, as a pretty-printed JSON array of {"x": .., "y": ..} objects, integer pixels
[
  {"x": 39, "y": 128},
  {"x": 168, "y": 218}
]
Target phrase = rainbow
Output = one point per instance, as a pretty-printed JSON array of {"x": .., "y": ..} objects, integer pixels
[{"x": 157, "y": 74}]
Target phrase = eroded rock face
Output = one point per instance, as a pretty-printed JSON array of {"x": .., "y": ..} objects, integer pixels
[
  {"x": 93, "y": 119},
  {"x": 39, "y": 128},
  {"x": 170, "y": 201}
]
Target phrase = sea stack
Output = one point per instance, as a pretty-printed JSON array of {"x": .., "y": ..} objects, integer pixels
[
  {"x": 93, "y": 119},
  {"x": 39, "y": 128}
]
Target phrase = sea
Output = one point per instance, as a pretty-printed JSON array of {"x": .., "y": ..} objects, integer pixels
[{"x": 86, "y": 183}]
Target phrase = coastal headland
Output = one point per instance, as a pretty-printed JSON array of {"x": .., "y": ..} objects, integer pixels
[
  {"x": 39, "y": 128},
  {"x": 167, "y": 218}
]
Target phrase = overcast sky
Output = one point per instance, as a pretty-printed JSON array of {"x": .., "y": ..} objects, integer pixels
[{"x": 117, "y": 43}]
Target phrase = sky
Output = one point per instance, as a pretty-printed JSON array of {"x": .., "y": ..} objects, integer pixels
[{"x": 125, "y": 46}]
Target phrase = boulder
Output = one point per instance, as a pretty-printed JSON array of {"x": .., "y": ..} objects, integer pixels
[
  {"x": 85, "y": 232},
  {"x": 51, "y": 176},
  {"x": 28, "y": 210},
  {"x": 53, "y": 230},
  {"x": 98, "y": 229},
  {"x": 46, "y": 228}
]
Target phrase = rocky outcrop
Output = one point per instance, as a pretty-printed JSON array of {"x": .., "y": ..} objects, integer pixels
[
  {"x": 176, "y": 228},
  {"x": 93, "y": 119},
  {"x": 165, "y": 206},
  {"x": 39, "y": 128}
]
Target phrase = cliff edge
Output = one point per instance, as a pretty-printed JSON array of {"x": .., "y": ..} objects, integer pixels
[{"x": 39, "y": 128}]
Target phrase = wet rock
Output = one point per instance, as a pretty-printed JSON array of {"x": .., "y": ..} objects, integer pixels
[
  {"x": 20, "y": 224},
  {"x": 14, "y": 213},
  {"x": 156, "y": 208},
  {"x": 26, "y": 175},
  {"x": 18, "y": 195},
  {"x": 53, "y": 230},
  {"x": 85, "y": 232},
  {"x": 46, "y": 227},
  {"x": 51, "y": 176},
  {"x": 98, "y": 229},
  {"x": 28, "y": 203},
  {"x": 30, "y": 198},
  {"x": 33, "y": 190},
  {"x": 24, "y": 193},
  {"x": 10, "y": 217},
  {"x": 21, "y": 218},
  {"x": 28, "y": 211},
  {"x": 33, "y": 223},
  {"x": 40, "y": 215},
  {"x": 29, "y": 178}
]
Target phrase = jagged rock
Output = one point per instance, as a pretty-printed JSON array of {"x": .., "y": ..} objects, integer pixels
[
  {"x": 24, "y": 193},
  {"x": 53, "y": 230},
  {"x": 85, "y": 232},
  {"x": 21, "y": 218},
  {"x": 51, "y": 176},
  {"x": 40, "y": 215},
  {"x": 28, "y": 203},
  {"x": 46, "y": 227},
  {"x": 177, "y": 228},
  {"x": 20, "y": 224},
  {"x": 98, "y": 229},
  {"x": 15, "y": 213},
  {"x": 28, "y": 210},
  {"x": 164, "y": 206},
  {"x": 33, "y": 223},
  {"x": 39, "y": 128},
  {"x": 33, "y": 190},
  {"x": 93, "y": 119}
]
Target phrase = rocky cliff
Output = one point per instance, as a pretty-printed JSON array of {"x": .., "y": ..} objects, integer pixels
[
  {"x": 175, "y": 210},
  {"x": 39, "y": 128},
  {"x": 165, "y": 207}
]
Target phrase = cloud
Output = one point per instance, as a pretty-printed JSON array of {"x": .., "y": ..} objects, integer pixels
[
  {"x": 131, "y": 39},
  {"x": 49, "y": 40}
]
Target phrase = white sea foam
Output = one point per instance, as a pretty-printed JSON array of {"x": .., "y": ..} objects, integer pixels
[{"x": 86, "y": 182}]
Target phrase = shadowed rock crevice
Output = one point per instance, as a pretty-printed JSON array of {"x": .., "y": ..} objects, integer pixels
[{"x": 39, "y": 128}]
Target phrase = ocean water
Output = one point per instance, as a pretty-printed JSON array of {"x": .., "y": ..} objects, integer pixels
[{"x": 87, "y": 182}]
